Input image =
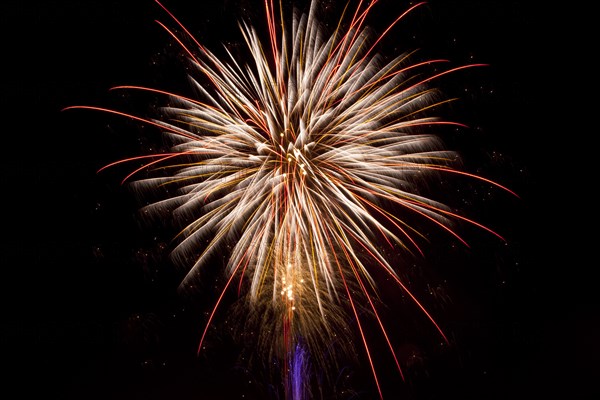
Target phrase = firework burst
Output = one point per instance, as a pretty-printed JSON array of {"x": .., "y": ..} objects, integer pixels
[{"x": 301, "y": 160}]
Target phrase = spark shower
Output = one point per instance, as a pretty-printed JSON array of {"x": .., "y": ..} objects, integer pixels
[{"x": 303, "y": 162}]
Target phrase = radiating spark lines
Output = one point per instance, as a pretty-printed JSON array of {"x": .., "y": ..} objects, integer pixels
[{"x": 303, "y": 157}]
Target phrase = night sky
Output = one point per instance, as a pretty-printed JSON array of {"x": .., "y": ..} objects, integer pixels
[{"x": 89, "y": 302}]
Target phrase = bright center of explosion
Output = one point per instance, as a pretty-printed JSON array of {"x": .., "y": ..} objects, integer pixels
[{"x": 291, "y": 283}]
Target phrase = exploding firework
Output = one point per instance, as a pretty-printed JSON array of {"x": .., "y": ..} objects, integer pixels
[{"x": 301, "y": 160}]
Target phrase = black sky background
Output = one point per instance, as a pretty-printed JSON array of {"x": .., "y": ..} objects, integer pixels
[{"x": 89, "y": 307}]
